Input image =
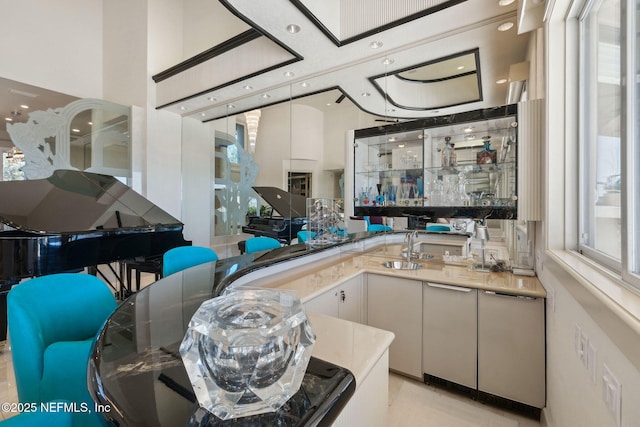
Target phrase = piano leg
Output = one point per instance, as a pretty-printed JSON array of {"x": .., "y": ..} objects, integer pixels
[
  {"x": 121, "y": 293},
  {"x": 3, "y": 314},
  {"x": 5, "y": 287}
]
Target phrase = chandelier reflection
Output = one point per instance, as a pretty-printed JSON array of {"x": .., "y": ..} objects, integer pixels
[{"x": 252, "y": 118}]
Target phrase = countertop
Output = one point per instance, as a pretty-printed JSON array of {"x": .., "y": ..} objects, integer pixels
[
  {"x": 353, "y": 346},
  {"x": 316, "y": 280}
]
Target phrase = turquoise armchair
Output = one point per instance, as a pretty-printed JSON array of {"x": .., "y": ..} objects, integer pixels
[
  {"x": 52, "y": 323},
  {"x": 261, "y": 243},
  {"x": 304, "y": 235},
  {"x": 177, "y": 259}
]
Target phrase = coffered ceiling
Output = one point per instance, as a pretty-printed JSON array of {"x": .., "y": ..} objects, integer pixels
[{"x": 299, "y": 48}]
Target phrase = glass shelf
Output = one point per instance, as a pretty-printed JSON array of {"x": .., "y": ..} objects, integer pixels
[{"x": 399, "y": 168}]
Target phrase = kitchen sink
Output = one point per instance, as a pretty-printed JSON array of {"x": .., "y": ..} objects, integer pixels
[
  {"x": 418, "y": 255},
  {"x": 401, "y": 265}
]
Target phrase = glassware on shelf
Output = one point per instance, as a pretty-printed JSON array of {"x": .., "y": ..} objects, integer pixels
[
  {"x": 487, "y": 155},
  {"x": 392, "y": 191},
  {"x": 448, "y": 154}
]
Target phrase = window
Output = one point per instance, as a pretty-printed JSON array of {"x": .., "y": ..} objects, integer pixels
[{"x": 609, "y": 226}]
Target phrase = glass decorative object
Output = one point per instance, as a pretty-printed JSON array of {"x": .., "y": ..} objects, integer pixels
[
  {"x": 487, "y": 155},
  {"x": 325, "y": 221},
  {"x": 246, "y": 351}
]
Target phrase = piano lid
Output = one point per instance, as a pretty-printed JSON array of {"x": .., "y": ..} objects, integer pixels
[
  {"x": 76, "y": 201},
  {"x": 286, "y": 204}
]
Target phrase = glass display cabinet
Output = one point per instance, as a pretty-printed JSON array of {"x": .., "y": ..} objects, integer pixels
[{"x": 463, "y": 165}]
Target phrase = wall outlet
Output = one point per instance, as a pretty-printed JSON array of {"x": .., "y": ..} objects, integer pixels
[
  {"x": 582, "y": 345},
  {"x": 612, "y": 393},
  {"x": 592, "y": 361},
  {"x": 577, "y": 336}
]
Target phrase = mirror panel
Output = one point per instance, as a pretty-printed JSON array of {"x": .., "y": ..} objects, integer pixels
[{"x": 445, "y": 82}]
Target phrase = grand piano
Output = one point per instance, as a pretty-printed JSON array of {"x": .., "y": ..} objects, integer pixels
[
  {"x": 292, "y": 209},
  {"x": 74, "y": 220}
]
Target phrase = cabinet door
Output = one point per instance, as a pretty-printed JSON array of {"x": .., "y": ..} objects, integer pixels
[
  {"x": 326, "y": 303},
  {"x": 350, "y": 300},
  {"x": 395, "y": 305},
  {"x": 449, "y": 333},
  {"x": 511, "y": 347}
]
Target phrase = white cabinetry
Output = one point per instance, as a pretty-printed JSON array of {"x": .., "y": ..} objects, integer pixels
[
  {"x": 449, "y": 333},
  {"x": 343, "y": 301},
  {"x": 395, "y": 305},
  {"x": 511, "y": 347}
]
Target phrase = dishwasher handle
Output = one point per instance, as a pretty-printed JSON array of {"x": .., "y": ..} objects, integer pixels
[
  {"x": 500, "y": 294},
  {"x": 448, "y": 287}
]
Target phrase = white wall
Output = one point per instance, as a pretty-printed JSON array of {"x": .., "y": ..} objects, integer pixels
[
  {"x": 205, "y": 26},
  {"x": 164, "y": 129},
  {"x": 54, "y": 45},
  {"x": 573, "y": 399}
]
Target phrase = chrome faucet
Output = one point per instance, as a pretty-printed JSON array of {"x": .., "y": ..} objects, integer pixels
[{"x": 410, "y": 239}]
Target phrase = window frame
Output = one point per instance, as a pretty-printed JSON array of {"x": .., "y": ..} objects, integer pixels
[{"x": 627, "y": 266}]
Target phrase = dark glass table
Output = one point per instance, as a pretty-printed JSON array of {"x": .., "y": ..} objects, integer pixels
[{"x": 136, "y": 371}]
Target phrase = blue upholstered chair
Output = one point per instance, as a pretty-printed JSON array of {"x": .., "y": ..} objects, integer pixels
[
  {"x": 52, "y": 322},
  {"x": 177, "y": 259},
  {"x": 379, "y": 227},
  {"x": 304, "y": 235},
  {"x": 261, "y": 243}
]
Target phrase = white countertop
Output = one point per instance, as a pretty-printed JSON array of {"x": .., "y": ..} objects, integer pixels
[
  {"x": 350, "y": 345},
  {"x": 314, "y": 280}
]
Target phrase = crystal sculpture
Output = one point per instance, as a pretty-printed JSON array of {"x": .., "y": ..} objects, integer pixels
[{"x": 246, "y": 352}]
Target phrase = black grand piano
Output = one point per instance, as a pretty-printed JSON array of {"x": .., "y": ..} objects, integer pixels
[
  {"x": 74, "y": 220},
  {"x": 292, "y": 209}
]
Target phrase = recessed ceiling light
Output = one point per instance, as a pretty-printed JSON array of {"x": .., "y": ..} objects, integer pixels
[
  {"x": 506, "y": 26},
  {"x": 388, "y": 61},
  {"x": 328, "y": 104},
  {"x": 293, "y": 28},
  {"x": 501, "y": 81},
  {"x": 75, "y": 130},
  {"x": 289, "y": 74},
  {"x": 90, "y": 123},
  {"x": 211, "y": 99},
  {"x": 265, "y": 96},
  {"x": 8, "y": 119},
  {"x": 26, "y": 107},
  {"x": 461, "y": 67},
  {"x": 305, "y": 84},
  {"x": 400, "y": 145},
  {"x": 470, "y": 137},
  {"x": 376, "y": 44},
  {"x": 231, "y": 106},
  {"x": 247, "y": 87},
  {"x": 183, "y": 108},
  {"x": 468, "y": 129},
  {"x": 391, "y": 139},
  {"x": 365, "y": 94},
  {"x": 203, "y": 114},
  {"x": 505, "y": 2}
]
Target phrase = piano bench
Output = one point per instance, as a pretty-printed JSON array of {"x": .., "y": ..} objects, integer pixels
[{"x": 151, "y": 265}]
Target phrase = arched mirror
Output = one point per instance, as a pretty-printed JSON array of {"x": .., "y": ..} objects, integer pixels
[{"x": 42, "y": 135}]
